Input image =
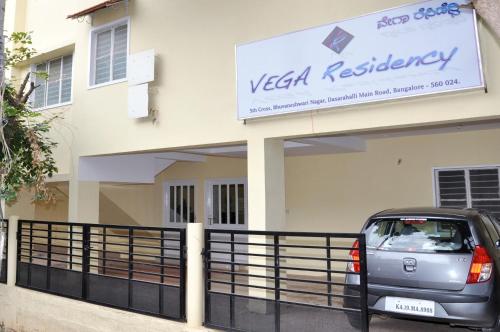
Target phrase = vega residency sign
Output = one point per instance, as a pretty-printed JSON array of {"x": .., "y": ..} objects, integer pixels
[{"x": 420, "y": 49}]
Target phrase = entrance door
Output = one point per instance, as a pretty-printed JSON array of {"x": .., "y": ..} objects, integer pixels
[
  {"x": 226, "y": 203},
  {"x": 226, "y": 208},
  {"x": 179, "y": 203}
]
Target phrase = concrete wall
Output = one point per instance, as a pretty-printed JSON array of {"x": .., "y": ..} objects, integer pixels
[
  {"x": 213, "y": 168},
  {"x": 27, "y": 310},
  {"x": 330, "y": 192},
  {"x": 128, "y": 204},
  {"x": 142, "y": 204},
  {"x": 25, "y": 208},
  {"x": 194, "y": 93},
  {"x": 339, "y": 192}
]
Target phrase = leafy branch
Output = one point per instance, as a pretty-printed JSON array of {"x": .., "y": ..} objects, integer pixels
[{"x": 26, "y": 154}]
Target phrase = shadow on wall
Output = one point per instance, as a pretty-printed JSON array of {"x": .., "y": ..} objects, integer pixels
[
  {"x": 112, "y": 214},
  {"x": 26, "y": 209}
]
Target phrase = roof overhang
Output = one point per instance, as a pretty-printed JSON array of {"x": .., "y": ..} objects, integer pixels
[{"x": 93, "y": 9}]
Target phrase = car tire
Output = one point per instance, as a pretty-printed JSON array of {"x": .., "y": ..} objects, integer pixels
[
  {"x": 496, "y": 328},
  {"x": 355, "y": 320}
]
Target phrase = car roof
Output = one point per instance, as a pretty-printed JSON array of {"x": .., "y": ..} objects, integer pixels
[{"x": 429, "y": 211}]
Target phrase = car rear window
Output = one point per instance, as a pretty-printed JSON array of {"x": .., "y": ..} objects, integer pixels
[{"x": 419, "y": 235}]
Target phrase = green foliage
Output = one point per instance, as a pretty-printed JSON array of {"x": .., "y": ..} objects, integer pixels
[
  {"x": 26, "y": 157},
  {"x": 22, "y": 50}
]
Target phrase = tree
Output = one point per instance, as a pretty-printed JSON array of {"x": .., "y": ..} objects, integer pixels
[
  {"x": 26, "y": 158},
  {"x": 26, "y": 150}
]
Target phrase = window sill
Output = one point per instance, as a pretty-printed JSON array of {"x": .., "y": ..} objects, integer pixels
[
  {"x": 46, "y": 108},
  {"x": 95, "y": 86}
]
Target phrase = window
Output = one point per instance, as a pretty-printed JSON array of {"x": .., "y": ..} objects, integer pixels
[
  {"x": 180, "y": 203},
  {"x": 426, "y": 235},
  {"x": 469, "y": 188},
  {"x": 226, "y": 203},
  {"x": 109, "y": 51},
  {"x": 56, "y": 89}
]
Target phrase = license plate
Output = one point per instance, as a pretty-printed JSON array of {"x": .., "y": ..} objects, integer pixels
[{"x": 410, "y": 306}]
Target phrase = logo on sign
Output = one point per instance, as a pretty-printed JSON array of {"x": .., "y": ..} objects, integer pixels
[{"x": 337, "y": 40}]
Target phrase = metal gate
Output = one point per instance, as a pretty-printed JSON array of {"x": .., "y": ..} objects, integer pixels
[
  {"x": 4, "y": 229},
  {"x": 286, "y": 281},
  {"x": 141, "y": 269}
]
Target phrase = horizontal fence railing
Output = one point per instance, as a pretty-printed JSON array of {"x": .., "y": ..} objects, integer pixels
[
  {"x": 4, "y": 235},
  {"x": 285, "y": 281},
  {"x": 141, "y": 269}
]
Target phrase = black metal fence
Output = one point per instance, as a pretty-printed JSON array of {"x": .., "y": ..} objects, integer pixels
[
  {"x": 140, "y": 269},
  {"x": 285, "y": 281},
  {"x": 4, "y": 228}
]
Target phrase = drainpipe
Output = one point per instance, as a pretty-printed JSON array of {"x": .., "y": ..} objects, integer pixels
[
  {"x": 194, "y": 285},
  {"x": 12, "y": 251}
]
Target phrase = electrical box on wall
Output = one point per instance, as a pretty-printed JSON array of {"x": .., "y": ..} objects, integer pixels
[
  {"x": 141, "y": 67},
  {"x": 141, "y": 71},
  {"x": 138, "y": 101}
]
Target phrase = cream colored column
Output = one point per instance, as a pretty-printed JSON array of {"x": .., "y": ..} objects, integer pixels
[
  {"x": 266, "y": 208},
  {"x": 84, "y": 208},
  {"x": 194, "y": 285},
  {"x": 83, "y": 201},
  {"x": 266, "y": 184},
  {"x": 12, "y": 251}
]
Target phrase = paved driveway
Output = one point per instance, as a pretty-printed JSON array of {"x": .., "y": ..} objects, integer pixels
[{"x": 381, "y": 324}]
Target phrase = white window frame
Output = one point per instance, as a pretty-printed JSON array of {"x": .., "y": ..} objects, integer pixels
[
  {"x": 208, "y": 203},
  {"x": 466, "y": 169},
  {"x": 92, "y": 45},
  {"x": 166, "y": 202},
  {"x": 47, "y": 62}
]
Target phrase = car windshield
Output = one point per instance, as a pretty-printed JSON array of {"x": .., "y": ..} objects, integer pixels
[{"x": 419, "y": 235}]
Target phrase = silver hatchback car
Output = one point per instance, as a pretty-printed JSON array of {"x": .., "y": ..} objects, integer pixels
[{"x": 432, "y": 264}]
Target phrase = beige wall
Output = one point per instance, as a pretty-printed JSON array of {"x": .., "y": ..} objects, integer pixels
[
  {"x": 194, "y": 92},
  {"x": 25, "y": 208},
  {"x": 195, "y": 100},
  {"x": 27, "y": 310},
  {"x": 125, "y": 204},
  {"x": 22, "y": 207},
  {"x": 330, "y": 192},
  {"x": 57, "y": 210},
  {"x": 339, "y": 192},
  {"x": 134, "y": 204},
  {"x": 213, "y": 168}
]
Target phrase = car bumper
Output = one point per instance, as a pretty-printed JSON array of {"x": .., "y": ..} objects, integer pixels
[{"x": 451, "y": 307}]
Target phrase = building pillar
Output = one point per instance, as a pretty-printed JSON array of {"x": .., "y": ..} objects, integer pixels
[
  {"x": 194, "y": 286},
  {"x": 266, "y": 212},
  {"x": 12, "y": 251},
  {"x": 83, "y": 201},
  {"x": 266, "y": 184}
]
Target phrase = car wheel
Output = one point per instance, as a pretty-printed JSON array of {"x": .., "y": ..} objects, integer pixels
[
  {"x": 496, "y": 328},
  {"x": 355, "y": 320}
]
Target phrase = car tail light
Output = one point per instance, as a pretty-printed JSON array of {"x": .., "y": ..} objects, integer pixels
[
  {"x": 354, "y": 254},
  {"x": 481, "y": 266}
]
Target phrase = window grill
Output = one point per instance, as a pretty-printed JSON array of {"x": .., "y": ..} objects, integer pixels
[{"x": 477, "y": 188}]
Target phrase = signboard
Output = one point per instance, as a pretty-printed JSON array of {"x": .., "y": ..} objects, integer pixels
[{"x": 419, "y": 49}]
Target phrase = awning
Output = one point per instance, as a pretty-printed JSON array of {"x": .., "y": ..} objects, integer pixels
[{"x": 95, "y": 8}]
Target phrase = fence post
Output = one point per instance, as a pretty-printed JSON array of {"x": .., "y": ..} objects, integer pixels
[
  {"x": 12, "y": 251},
  {"x": 195, "y": 290},
  {"x": 363, "y": 283}
]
